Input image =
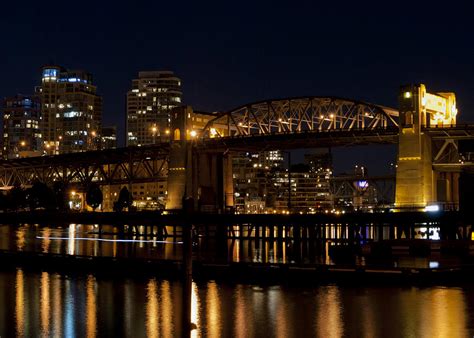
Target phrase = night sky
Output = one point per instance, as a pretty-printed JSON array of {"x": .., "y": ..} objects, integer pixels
[{"x": 232, "y": 53}]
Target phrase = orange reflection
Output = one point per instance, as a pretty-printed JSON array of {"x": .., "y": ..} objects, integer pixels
[
  {"x": 152, "y": 308},
  {"x": 329, "y": 321},
  {"x": 236, "y": 251},
  {"x": 243, "y": 327},
  {"x": 276, "y": 303},
  {"x": 57, "y": 300},
  {"x": 71, "y": 241},
  {"x": 91, "y": 307},
  {"x": 443, "y": 313},
  {"x": 368, "y": 316},
  {"x": 20, "y": 303},
  {"x": 167, "y": 309},
  {"x": 45, "y": 308},
  {"x": 46, "y": 241},
  {"x": 213, "y": 310},
  {"x": 195, "y": 305},
  {"x": 20, "y": 238}
]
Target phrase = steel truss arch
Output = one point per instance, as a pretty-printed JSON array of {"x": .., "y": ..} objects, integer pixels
[
  {"x": 106, "y": 167},
  {"x": 300, "y": 114}
]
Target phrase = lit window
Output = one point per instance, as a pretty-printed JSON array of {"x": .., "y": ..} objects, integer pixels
[{"x": 50, "y": 72}]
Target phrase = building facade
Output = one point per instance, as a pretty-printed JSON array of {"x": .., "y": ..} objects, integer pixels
[
  {"x": 149, "y": 103},
  {"x": 108, "y": 138},
  {"x": 71, "y": 111},
  {"x": 21, "y": 127},
  {"x": 253, "y": 175}
]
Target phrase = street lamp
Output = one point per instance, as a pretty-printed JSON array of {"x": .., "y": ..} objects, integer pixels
[{"x": 154, "y": 129}]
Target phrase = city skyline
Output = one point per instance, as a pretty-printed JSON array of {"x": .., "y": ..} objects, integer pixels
[
  {"x": 227, "y": 57},
  {"x": 226, "y": 64},
  {"x": 265, "y": 168}
]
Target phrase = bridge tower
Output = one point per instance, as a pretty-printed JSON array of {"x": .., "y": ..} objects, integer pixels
[
  {"x": 198, "y": 178},
  {"x": 416, "y": 180},
  {"x": 180, "y": 160}
]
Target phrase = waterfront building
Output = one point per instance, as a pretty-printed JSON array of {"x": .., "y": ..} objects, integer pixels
[
  {"x": 356, "y": 191},
  {"x": 305, "y": 188},
  {"x": 252, "y": 176},
  {"x": 71, "y": 110},
  {"x": 108, "y": 138},
  {"x": 149, "y": 103},
  {"x": 21, "y": 126}
]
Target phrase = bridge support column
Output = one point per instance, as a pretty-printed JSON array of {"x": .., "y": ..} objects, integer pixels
[
  {"x": 178, "y": 172},
  {"x": 213, "y": 181},
  {"x": 180, "y": 166},
  {"x": 414, "y": 182},
  {"x": 417, "y": 184}
]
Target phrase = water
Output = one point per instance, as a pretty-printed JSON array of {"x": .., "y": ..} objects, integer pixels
[
  {"x": 79, "y": 239},
  {"x": 44, "y": 303},
  {"x": 52, "y": 304}
]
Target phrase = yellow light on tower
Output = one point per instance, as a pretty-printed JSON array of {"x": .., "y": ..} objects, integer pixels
[{"x": 407, "y": 95}]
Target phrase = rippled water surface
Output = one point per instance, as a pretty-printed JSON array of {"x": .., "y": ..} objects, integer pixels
[
  {"x": 48, "y": 304},
  {"x": 51, "y": 304}
]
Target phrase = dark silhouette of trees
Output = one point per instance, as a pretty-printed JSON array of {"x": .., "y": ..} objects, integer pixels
[
  {"x": 60, "y": 195},
  {"x": 94, "y": 196},
  {"x": 3, "y": 201},
  {"x": 124, "y": 201},
  {"x": 40, "y": 196},
  {"x": 16, "y": 198}
]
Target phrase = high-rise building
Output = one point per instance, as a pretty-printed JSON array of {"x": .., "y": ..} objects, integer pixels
[
  {"x": 253, "y": 174},
  {"x": 21, "y": 127},
  {"x": 149, "y": 103},
  {"x": 71, "y": 110}
]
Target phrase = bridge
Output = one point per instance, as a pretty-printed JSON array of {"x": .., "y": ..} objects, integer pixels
[{"x": 197, "y": 162}]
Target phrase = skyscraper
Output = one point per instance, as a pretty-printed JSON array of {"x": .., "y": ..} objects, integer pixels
[
  {"x": 21, "y": 127},
  {"x": 149, "y": 103},
  {"x": 71, "y": 110}
]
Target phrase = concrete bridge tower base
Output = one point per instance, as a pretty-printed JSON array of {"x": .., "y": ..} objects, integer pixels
[
  {"x": 198, "y": 179},
  {"x": 415, "y": 176}
]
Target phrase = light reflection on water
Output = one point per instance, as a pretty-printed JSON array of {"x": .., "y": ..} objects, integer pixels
[
  {"x": 79, "y": 239},
  {"x": 45, "y": 304}
]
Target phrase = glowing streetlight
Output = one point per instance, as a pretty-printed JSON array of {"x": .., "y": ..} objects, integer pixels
[
  {"x": 154, "y": 129},
  {"x": 22, "y": 143},
  {"x": 193, "y": 133}
]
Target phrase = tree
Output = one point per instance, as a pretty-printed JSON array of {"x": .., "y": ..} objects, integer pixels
[
  {"x": 3, "y": 202},
  {"x": 16, "y": 198},
  {"x": 40, "y": 196},
  {"x": 60, "y": 195},
  {"x": 124, "y": 200},
  {"x": 94, "y": 196}
]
